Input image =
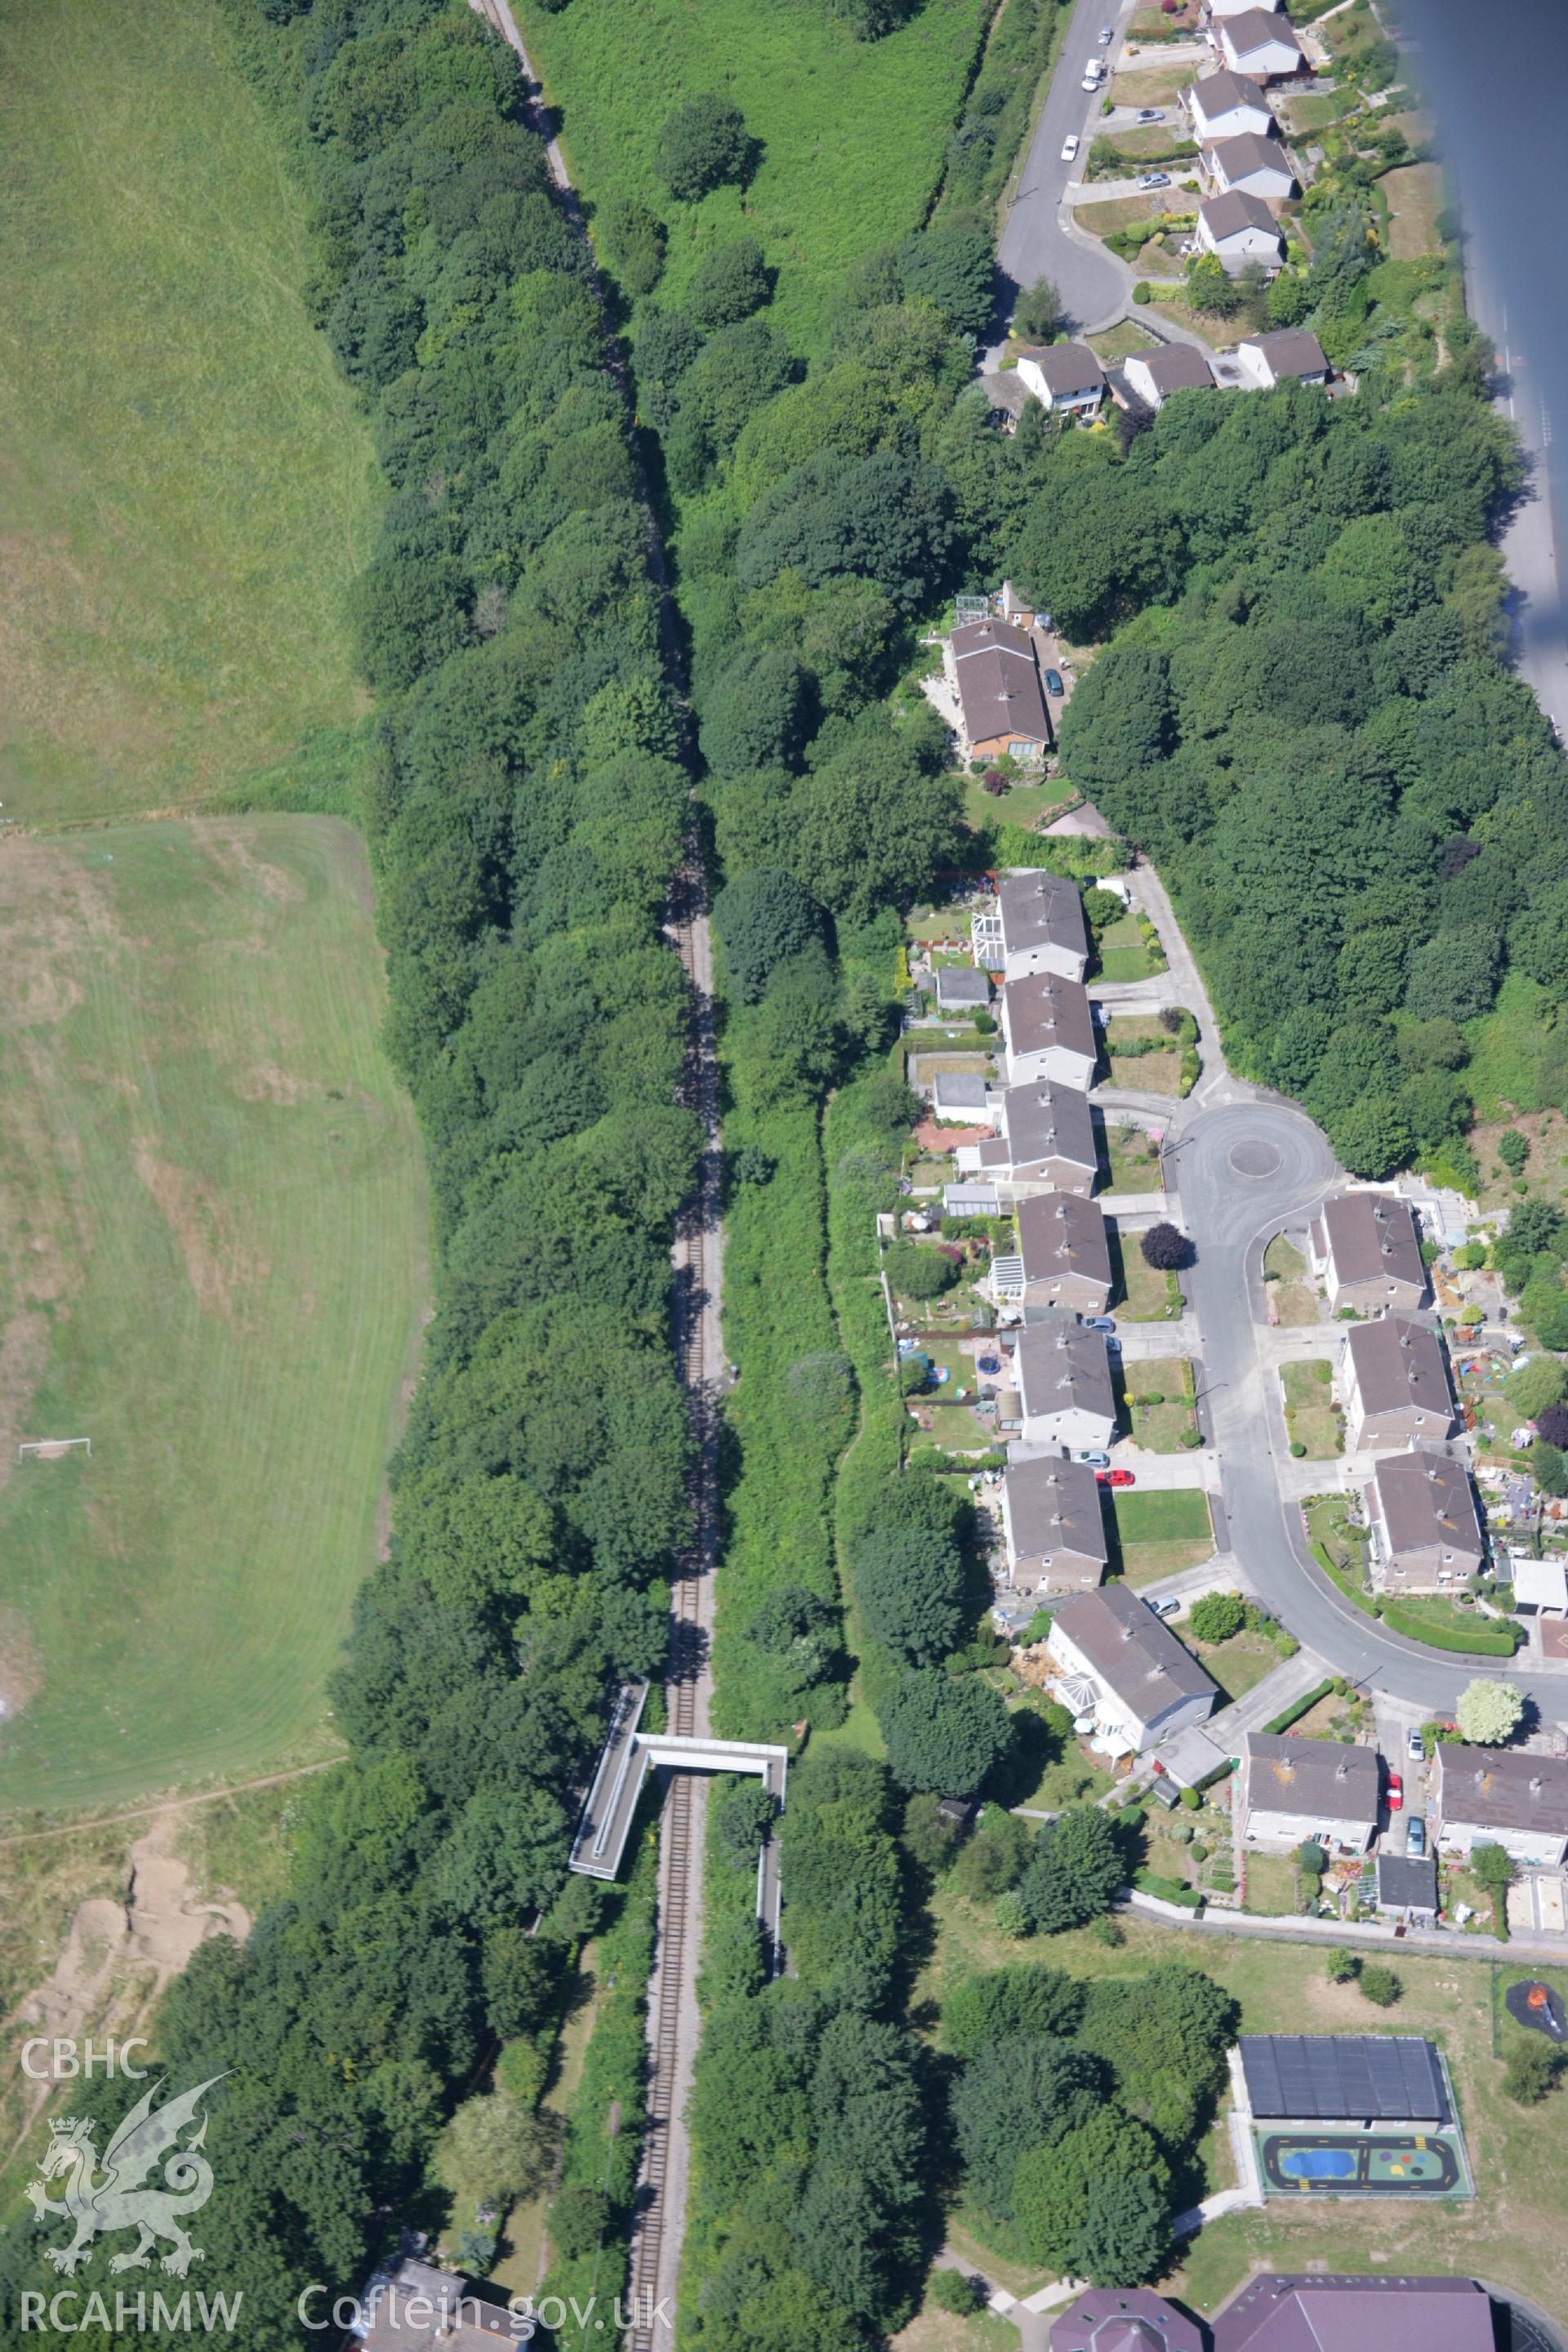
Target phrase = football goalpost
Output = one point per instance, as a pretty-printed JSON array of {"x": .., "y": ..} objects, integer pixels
[{"x": 49, "y": 1449}]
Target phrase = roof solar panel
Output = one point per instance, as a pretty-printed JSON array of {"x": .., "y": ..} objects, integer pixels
[{"x": 1361, "y": 2077}]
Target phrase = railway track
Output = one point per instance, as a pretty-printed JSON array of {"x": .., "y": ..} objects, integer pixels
[{"x": 697, "y": 1264}]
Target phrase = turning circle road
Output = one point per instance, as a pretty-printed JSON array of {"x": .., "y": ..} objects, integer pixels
[{"x": 1242, "y": 1172}]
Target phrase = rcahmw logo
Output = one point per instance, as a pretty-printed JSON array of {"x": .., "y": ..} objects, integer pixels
[{"x": 122, "y": 2191}]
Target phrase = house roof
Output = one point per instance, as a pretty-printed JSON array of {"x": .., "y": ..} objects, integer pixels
[
  {"x": 998, "y": 683},
  {"x": 1219, "y": 93},
  {"x": 412, "y": 2305},
  {"x": 1230, "y": 215},
  {"x": 1046, "y": 1009},
  {"x": 1063, "y": 1367},
  {"x": 1175, "y": 368},
  {"x": 1319, "y": 1779},
  {"x": 1400, "y": 1363},
  {"x": 1124, "y": 2319},
  {"x": 1063, "y": 1233},
  {"x": 962, "y": 984},
  {"x": 1053, "y": 1505},
  {"x": 1407, "y": 1882},
  {"x": 1344, "y": 2077},
  {"x": 1250, "y": 150},
  {"x": 1289, "y": 350},
  {"x": 1321, "y": 2314},
  {"x": 1041, "y": 910},
  {"x": 1486, "y": 1789},
  {"x": 1255, "y": 26},
  {"x": 1135, "y": 1655},
  {"x": 1066, "y": 368},
  {"x": 1374, "y": 1238},
  {"x": 1424, "y": 1500},
  {"x": 1047, "y": 1120}
]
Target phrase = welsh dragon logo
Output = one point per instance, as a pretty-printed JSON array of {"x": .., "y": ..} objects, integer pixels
[{"x": 119, "y": 2200}]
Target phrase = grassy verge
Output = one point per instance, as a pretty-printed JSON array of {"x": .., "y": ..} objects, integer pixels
[
  {"x": 189, "y": 485},
  {"x": 219, "y": 1285},
  {"x": 1163, "y": 1427},
  {"x": 1309, "y": 1414}
]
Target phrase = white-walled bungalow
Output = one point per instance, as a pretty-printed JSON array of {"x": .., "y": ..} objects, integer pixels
[
  {"x": 1065, "y": 376},
  {"x": 1152, "y": 376},
  {"x": 1239, "y": 229},
  {"x": 1225, "y": 106},
  {"x": 1289, "y": 352},
  {"x": 1259, "y": 43},
  {"x": 1257, "y": 167}
]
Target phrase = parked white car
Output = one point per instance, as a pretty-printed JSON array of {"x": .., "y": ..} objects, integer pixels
[{"x": 1070, "y": 149}]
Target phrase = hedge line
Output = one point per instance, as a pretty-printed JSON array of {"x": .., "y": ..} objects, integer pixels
[{"x": 1298, "y": 1708}]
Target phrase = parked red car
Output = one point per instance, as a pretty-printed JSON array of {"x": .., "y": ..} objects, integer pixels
[
  {"x": 1395, "y": 1792},
  {"x": 1116, "y": 1477}
]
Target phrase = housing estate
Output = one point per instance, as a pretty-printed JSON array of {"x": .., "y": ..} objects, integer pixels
[
  {"x": 1256, "y": 165},
  {"x": 1323, "y": 1790},
  {"x": 1063, "y": 1373},
  {"x": 1063, "y": 1259},
  {"x": 1289, "y": 352},
  {"x": 1001, "y": 702},
  {"x": 1152, "y": 376},
  {"x": 1045, "y": 1136},
  {"x": 1054, "y": 1525},
  {"x": 1035, "y": 923},
  {"x": 1366, "y": 1248},
  {"x": 1048, "y": 1031},
  {"x": 1239, "y": 229},
  {"x": 1489, "y": 1795},
  {"x": 1065, "y": 376},
  {"x": 1123, "y": 1670},
  {"x": 1259, "y": 43},
  {"x": 1395, "y": 1378},
  {"x": 1225, "y": 105},
  {"x": 1424, "y": 1528}
]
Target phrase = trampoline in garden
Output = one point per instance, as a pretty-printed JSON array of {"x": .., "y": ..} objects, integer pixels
[
  {"x": 1361, "y": 2164},
  {"x": 1535, "y": 2005}
]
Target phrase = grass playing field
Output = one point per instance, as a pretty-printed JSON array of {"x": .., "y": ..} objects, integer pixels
[
  {"x": 187, "y": 483},
  {"x": 212, "y": 1227},
  {"x": 853, "y": 132}
]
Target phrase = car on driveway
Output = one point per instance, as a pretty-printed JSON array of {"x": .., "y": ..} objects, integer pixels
[
  {"x": 1069, "y": 148},
  {"x": 1396, "y": 1793},
  {"x": 1154, "y": 180},
  {"x": 1100, "y": 1322},
  {"x": 1116, "y": 1477},
  {"x": 1415, "y": 1834},
  {"x": 1095, "y": 1461},
  {"x": 1054, "y": 682},
  {"x": 1150, "y": 114},
  {"x": 1413, "y": 1747},
  {"x": 1166, "y": 1608}
]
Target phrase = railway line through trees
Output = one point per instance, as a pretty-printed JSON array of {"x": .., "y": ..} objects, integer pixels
[{"x": 697, "y": 1268}]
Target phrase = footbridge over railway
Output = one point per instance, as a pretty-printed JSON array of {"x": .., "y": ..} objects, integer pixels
[{"x": 630, "y": 1754}]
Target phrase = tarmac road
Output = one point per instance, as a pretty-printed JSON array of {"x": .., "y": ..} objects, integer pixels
[
  {"x": 1242, "y": 1171},
  {"x": 1039, "y": 240}
]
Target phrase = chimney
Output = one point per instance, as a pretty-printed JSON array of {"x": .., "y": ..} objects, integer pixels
[
  {"x": 1536, "y": 1784},
  {"x": 1341, "y": 1771}
]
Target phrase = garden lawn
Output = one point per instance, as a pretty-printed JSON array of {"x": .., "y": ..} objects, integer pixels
[
  {"x": 852, "y": 133},
  {"x": 1271, "y": 1880},
  {"x": 1110, "y": 214},
  {"x": 1235, "y": 1664},
  {"x": 1122, "y": 953},
  {"x": 1151, "y": 85},
  {"x": 1118, "y": 343},
  {"x": 1134, "y": 1161},
  {"x": 1414, "y": 194},
  {"x": 1308, "y": 1407},
  {"x": 1160, "y": 1428},
  {"x": 1173, "y": 1517},
  {"x": 189, "y": 484},
  {"x": 211, "y": 1229},
  {"x": 1292, "y": 1295},
  {"x": 1022, "y": 804},
  {"x": 1316, "y": 114},
  {"x": 1146, "y": 1074},
  {"x": 1142, "y": 1293},
  {"x": 1515, "y": 2229}
]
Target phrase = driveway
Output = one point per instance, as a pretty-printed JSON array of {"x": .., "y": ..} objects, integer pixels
[{"x": 1039, "y": 240}]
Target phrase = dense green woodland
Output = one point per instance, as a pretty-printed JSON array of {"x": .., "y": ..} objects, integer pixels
[{"x": 524, "y": 812}]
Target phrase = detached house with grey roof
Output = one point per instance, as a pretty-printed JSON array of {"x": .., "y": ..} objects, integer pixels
[
  {"x": 1001, "y": 701},
  {"x": 1049, "y": 1032},
  {"x": 1366, "y": 1248},
  {"x": 1296, "y": 1788},
  {"x": 1054, "y": 1525},
  {"x": 1487, "y": 1796},
  {"x": 1063, "y": 1259},
  {"x": 1121, "y": 1665},
  {"x": 1035, "y": 923},
  {"x": 1396, "y": 1392},
  {"x": 1063, "y": 377},
  {"x": 1239, "y": 229},
  {"x": 1424, "y": 1528},
  {"x": 1063, "y": 1375},
  {"x": 1256, "y": 167},
  {"x": 1260, "y": 44},
  {"x": 1045, "y": 1138},
  {"x": 1225, "y": 105}
]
